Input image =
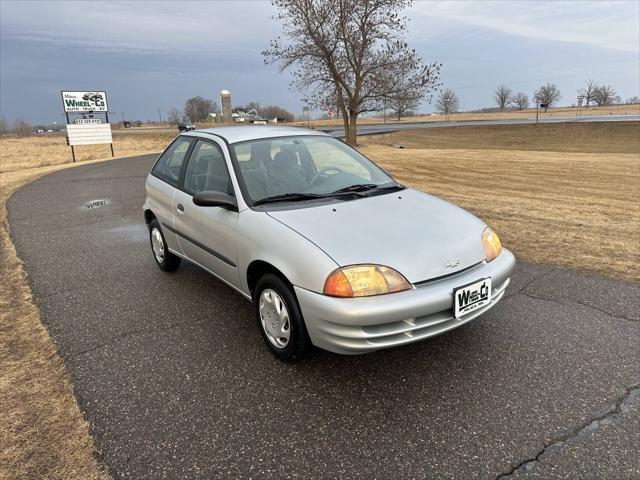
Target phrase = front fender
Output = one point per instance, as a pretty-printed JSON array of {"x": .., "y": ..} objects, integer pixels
[{"x": 261, "y": 237}]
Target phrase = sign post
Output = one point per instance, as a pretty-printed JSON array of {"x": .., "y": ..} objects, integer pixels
[
  {"x": 540, "y": 105},
  {"x": 580, "y": 100},
  {"x": 305, "y": 110},
  {"x": 87, "y": 130}
]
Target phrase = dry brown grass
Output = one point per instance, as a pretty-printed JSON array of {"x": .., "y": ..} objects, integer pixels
[
  {"x": 605, "y": 137},
  {"x": 568, "y": 207},
  {"x": 42, "y": 431},
  {"x": 38, "y": 151}
]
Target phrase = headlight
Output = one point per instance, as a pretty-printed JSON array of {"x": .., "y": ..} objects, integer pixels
[
  {"x": 363, "y": 281},
  {"x": 491, "y": 244}
]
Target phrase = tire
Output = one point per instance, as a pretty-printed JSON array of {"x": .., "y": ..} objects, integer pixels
[
  {"x": 166, "y": 261},
  {"x": 276, "y": 328}
]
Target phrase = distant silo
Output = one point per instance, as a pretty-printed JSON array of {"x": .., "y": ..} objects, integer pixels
[{"x": 225, "y": 102}]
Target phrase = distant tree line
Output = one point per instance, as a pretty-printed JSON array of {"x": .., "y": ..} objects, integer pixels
[
  {"x": 197, "y": 109},
  {"x": 549, "y": 94},
  {"x": 18, "y": 127}
]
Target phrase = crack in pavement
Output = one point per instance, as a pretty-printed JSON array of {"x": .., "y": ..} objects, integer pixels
[
  {"x": 529, "y": 283},
  {"x": 606, "y": 312},
  {"x": 563, "y": 300},
  {"x": 566, "y": 300},
  {"x": 616, "y": 409}
]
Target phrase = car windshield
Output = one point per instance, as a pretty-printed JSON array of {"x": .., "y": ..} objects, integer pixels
[{"x": 304, "y": 168}]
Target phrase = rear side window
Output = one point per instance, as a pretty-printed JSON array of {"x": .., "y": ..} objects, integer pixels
[{"x": 170, "y": 162}]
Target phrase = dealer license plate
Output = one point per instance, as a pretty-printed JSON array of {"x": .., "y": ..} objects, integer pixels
[{"x": 472, "y": 297}]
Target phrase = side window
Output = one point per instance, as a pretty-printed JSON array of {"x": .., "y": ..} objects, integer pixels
[
  {"x": 170, "y": 162},
  {"x": 207, "y": 170}
]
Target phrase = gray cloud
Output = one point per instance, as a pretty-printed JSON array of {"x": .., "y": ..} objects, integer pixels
[{"x": 151, "y": 56}]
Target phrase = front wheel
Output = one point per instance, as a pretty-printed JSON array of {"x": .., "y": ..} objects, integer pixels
[
  {"x": 167, "y": 261},
  {"x": 280, "y": 319}
]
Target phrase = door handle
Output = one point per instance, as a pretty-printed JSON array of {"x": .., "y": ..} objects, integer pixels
[{"x": 180, "y": 208}]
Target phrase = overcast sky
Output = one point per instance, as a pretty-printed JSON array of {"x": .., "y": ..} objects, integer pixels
[{"x": 152, "y": 56}]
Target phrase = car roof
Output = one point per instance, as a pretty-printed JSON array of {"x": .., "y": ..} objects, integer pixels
[{"x": 252, "y": 132}]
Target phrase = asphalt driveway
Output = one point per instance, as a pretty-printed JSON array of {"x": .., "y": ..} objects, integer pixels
[{"x": 172, "y": 374}]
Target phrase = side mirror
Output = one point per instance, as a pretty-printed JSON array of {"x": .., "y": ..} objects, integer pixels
[{"x": 216, "y": 199}]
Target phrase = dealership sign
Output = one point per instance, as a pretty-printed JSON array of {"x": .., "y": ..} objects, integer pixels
[
  {"x": 84, "y": 101},
  {"x": 84, "y": 111}
]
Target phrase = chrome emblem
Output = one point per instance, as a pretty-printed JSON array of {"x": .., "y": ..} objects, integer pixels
[{"x": 451, "y": 263}]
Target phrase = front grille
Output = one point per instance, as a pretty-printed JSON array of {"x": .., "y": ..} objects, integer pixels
[{"x": 448, "y": 275}]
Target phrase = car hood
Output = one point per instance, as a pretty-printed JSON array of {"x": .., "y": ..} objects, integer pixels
[{"x": 419, "y": 235}]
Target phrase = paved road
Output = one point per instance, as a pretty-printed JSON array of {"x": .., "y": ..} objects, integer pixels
[
  {"x": 172, "y": 374},
  {"x": 364, "y": 129}
]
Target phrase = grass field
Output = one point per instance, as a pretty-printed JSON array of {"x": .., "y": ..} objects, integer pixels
[
  {"x": 43, "y": 150},
  {"x": 560, "y": 194}
]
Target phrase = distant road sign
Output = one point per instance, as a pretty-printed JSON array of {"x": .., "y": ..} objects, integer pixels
[{"x": 84, "y": 101}]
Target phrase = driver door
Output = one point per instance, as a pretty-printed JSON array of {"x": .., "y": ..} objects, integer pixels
[{"x": 207, "y": 235}]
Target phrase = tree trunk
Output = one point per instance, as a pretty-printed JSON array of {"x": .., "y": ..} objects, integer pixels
[
  {"x": 345, "y": 122},
  {"x": 352, "y": 132},
  {"x": 399, "y": 115}
]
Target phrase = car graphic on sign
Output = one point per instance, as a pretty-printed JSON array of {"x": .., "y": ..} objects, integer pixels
[{"x": 92, "y": 97}]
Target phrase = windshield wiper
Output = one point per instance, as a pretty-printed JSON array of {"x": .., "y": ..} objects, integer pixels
[
  {"x": 360, "y": 187},
  {"x": 365, "y": 187},
  {"x": 288, "y": 197}
]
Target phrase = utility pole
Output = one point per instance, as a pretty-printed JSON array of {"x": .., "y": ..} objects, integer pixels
[{"x": 160, "y": 115}]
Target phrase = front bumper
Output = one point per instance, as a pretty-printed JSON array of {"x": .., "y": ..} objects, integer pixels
[{"x": 360, "y": 325}]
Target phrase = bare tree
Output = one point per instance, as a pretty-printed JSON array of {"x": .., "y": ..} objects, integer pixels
[
  {"x": 350, "y": 50},
  {"x": 521, "y": 101},
  {"x": 632, "y": 100},
  {"x": 502, "y": 96},
  {"x": 447, "y": 101},
  {"x": 604, "y": 95},
  {"x": 174, "y": 116},
  {"x": 402, "y": 104},
  {"x": 4, "y": 125},
  {"x": 588, "y": 91},
  {"x": 274, "y": 111},
  {"x": 548, "y": 94},
  {"x": 21, "y": 128},
  {"x": 196, "y": 109}
]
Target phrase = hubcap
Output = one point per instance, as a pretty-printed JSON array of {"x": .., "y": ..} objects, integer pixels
[
  {"x": 157, "y": 244},
  {"x": 274, "y": 317}
]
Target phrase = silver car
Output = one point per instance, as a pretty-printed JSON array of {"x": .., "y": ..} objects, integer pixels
[{"x": 330, "y": 249}]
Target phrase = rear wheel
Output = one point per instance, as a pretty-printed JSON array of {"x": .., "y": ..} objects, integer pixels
[
  {"x": 280, "y": 319},
  {"x": 166, "y": 260}
]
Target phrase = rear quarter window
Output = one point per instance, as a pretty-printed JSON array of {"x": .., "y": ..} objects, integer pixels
[{"x": 170, "y": 163}]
